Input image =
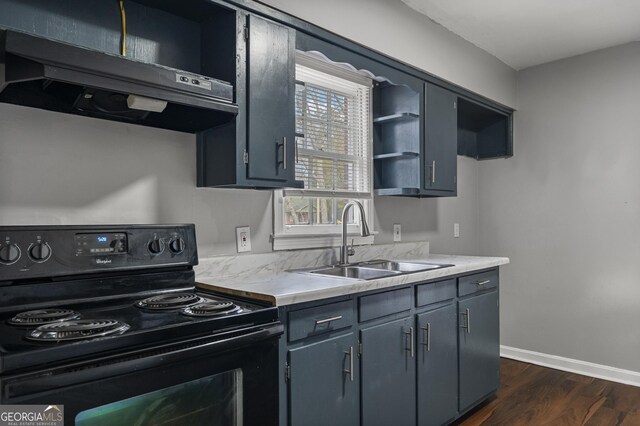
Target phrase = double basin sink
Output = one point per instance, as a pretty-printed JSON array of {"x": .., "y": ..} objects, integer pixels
[{"x": 377, "y": 269}]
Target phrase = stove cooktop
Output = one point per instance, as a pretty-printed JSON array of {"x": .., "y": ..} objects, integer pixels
[{"x": 26, "y": 344}]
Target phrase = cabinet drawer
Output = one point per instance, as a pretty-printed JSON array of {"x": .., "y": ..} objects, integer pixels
[
  {"x": 477, "y": 282},
  {"x": 435, "y": 292},
  {"x": 383, "y": 304},
  {"x": 320, "y": 319}
]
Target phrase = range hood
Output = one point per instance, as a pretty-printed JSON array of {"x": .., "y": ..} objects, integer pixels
[{"x": 57, "y": 76}]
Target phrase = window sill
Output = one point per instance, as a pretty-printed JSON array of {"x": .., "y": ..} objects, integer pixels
[{"x": 295, "y": 242}]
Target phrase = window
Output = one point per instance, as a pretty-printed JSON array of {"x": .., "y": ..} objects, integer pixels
[{"x": 333, "y": 156}]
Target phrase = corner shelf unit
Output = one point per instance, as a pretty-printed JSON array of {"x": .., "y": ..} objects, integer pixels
[{"x": 396, "y": 140}]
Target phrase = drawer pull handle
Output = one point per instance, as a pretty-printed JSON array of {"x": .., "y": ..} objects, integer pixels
[
  {"x": 426, "y": 338},
  {"x": 483, "y": 282},
  {"x": 350, "y": 370},
  {"x": 327, "y": 320}
]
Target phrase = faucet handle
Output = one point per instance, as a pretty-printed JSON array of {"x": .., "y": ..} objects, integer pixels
[{"x": 350, "y": 250}]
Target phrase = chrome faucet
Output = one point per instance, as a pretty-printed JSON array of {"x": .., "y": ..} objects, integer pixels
[{"x": 347, "y": 250}]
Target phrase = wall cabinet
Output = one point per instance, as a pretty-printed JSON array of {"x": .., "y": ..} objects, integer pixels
[
  {"x": 483, "y": 131},
  {"x": 440, "y": 141},
  {"x": 415, "y": 355},
  {"x": 415, "y": 147},
  {"x": 257, "y": 149}
]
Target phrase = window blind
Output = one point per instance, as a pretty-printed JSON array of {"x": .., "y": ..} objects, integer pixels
[{"x": 333, "y": 131}]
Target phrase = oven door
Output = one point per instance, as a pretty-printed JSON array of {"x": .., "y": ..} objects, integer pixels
[{"x": 226, "y": 379}]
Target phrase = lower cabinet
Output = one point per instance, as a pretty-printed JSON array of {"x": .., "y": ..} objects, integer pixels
[
  {"x": 479, "y": 340},
  {"x": 388, "y": 374},
  {"x": 323, "y": 384},
  {"x": 413, "y": 355},
  {"x": 437, "y": 358}
]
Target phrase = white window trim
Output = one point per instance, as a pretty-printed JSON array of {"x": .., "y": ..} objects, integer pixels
[{"x": 291, "y": 237}]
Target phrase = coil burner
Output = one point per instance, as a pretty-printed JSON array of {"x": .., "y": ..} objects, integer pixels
[
  {"x": 77, "y": 330},
  {"x": 211, "y": 308},
  {"x": 169, "y": 302},
  {"x": 43, "y": 316}
]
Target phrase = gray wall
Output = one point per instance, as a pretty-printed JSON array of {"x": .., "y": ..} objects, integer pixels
[
  {"x": 60, "y": 169},
  {"x": 566, "y": 210}
]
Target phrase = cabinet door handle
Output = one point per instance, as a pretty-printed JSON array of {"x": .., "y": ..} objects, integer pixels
[
  {"x": 426, "y": 338},
  {"x": 284, "y": 153},
  {"x": 433, "y": 171},
  {"x": 483, "y": 282},
  {"x": 467, "y": 315},
  {"x": 326, "y": 320},
  {"x": 410, "y": 335},
  {"x": 350, "y": 370}
]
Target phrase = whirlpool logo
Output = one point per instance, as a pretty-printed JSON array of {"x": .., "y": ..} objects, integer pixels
[
  {"x": 103, "y": 261},
  {"x": 31, "y": 415}
]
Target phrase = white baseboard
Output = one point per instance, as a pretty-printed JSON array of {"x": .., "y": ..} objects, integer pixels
[{"x": 572, "y": 365}]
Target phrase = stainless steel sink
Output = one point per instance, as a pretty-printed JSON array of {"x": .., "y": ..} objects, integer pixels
[
  {"x": 358, "y": 272},
  {"x": 376, "y": 269},
  {"x": 403, "y": 267}
]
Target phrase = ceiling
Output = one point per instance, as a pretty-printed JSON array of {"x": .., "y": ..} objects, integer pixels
[{"x": 526, "y": 33}]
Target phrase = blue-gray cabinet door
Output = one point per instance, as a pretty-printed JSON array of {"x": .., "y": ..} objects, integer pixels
[
  {"x": 441, "y": 139},
  {"x": 270, "y": 100},
  {"x": 479, "y": 341},
  {"x": 388, "y": 374},
  {"x": 437, "y": 352},
  {"x": 323, "y": 384}
]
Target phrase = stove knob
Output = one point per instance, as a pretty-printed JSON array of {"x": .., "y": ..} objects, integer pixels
[
  {"x": 177, "y": 245},
  {"x": 156, "y": 246},
  {"x": 118, "y": 245},
  {"x": 9, "y": 253},
  {"x": 40, "y": 252}
]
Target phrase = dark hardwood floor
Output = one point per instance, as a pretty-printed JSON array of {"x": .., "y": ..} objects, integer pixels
[{"x": 533, "y": 395}]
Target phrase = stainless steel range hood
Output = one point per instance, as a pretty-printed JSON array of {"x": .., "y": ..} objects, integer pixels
[{"x": 57, "y": 76}]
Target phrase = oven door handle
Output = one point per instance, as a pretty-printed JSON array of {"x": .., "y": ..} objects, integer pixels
[{"x": 105, "y": 367}]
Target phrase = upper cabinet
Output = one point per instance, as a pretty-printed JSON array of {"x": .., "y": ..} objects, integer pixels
[
  {"x": 440, "y": 141},
  {"x": 483, "y": 131},
  {"x": 257, "y": 149},
  {"x": 415, "y": 141},
  {"x": 270, "y": 101}
]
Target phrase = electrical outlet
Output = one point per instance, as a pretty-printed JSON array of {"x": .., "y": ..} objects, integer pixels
[
  {"x": 243, "y": 239},
  {"x": 456, "y": 230},
  {"x": 397, "y": 232}
]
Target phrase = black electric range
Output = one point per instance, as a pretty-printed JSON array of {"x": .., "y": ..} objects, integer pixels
[{"x": 112, "y": 311}]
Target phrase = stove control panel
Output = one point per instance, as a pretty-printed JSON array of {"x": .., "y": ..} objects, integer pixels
[
  {"x": 105, "y": 243},
  {"x": 28, "y": 252}
]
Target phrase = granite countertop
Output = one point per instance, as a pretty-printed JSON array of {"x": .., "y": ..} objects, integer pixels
[{"x": 288, "y": 288}]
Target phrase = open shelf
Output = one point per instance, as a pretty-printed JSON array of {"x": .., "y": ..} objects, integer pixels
[
  {"x": 482, "y": 131},
  {"x": 395, "y": 117},
  {"x": 397, "y": 155},
  {"x": 398, "y": 191}
]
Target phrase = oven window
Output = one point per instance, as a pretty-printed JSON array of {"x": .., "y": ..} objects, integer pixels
[{"x": 213, "y": 400}]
